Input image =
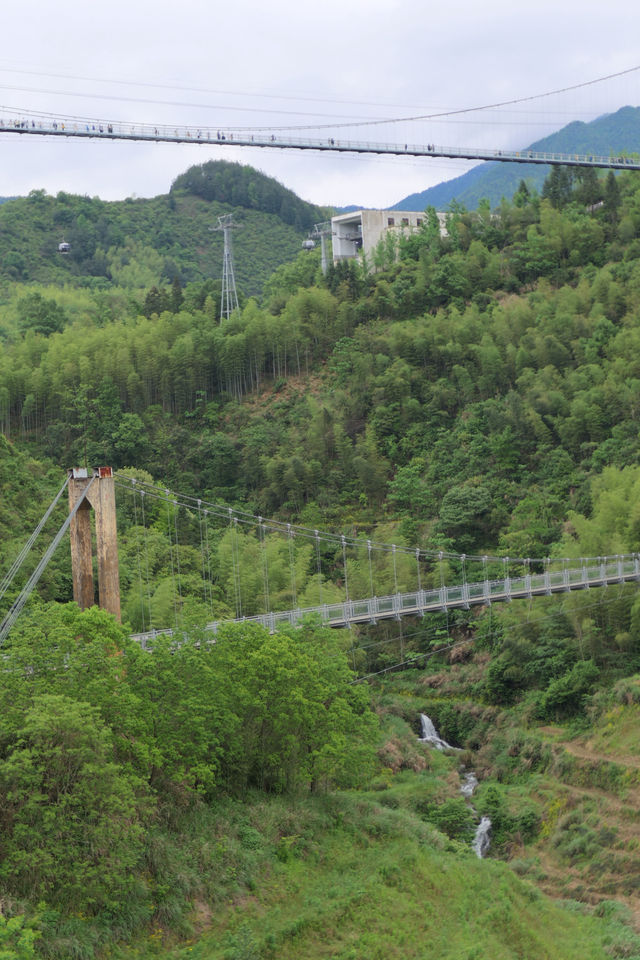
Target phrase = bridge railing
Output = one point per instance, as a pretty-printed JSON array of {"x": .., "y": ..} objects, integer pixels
[
  {"x": 418, "y": 602},
  {"x": 101, "y": 129}
]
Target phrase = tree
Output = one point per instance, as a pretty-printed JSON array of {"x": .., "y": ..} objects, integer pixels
[
  {"x": 465, "y": 513},
  {"x": 41, "y": 315},
  {"x": 557, "y": 186},
  {"x": 71, "y": 817},
  {"x": 189, "y": 710},
  {"x": 157, "y": 301},
  {"x": 409, "y": 491},
  {"x": 522, "y": 196},
  {"x": 612, "y": 197},
  {"x": 176, "y": 295},
  {"x": 302, "y": 724},
  {"x": 128, "y": 441},
  {"x": 589, "y": 187}
]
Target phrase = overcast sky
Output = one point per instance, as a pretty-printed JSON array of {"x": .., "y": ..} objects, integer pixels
[{"x": 253, "y": 64}]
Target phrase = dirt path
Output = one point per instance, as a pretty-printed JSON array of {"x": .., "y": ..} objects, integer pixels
[{"x": 585, "y": 751}]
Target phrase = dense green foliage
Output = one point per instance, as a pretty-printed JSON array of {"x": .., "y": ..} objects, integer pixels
[
  {"x": 140, "y": 243},
  {"x": 100, "y": 740},
  {"x": 480, "y": 378},
  {"x": 476, "y": 392}
]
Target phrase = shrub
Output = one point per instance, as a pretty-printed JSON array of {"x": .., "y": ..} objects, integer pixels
[
  {"x": 453, "y": 817},
  {"x": 566, "y": 695},
  {"x": 59, "y": 771}
]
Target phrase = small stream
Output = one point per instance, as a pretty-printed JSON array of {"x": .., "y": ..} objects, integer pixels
[{"x": 482, "y": 838}]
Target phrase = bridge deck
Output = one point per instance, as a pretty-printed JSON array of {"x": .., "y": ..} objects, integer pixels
[
  {"x": 233, "y": 138},
  {"x": 421, "y": 602}
]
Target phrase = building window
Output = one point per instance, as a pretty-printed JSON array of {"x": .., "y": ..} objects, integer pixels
[
  {"x": 419, "y": 222},
  {"x": 391, "y": 222},
  {"x": 405, "y": 221}
]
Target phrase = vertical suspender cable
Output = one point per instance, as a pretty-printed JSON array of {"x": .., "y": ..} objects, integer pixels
[
  {"x": 463, "y": 564},
  {"x": 135, "y": 516},
  {"x": 527, "y": 581},
  {"x": 443, "y": 590},
  {"x": 486, "y": 588},
  {"x": 319, "y": 565},
  {"x": 487, "y": 594},
  {"x": 146, "y": 554},
  {"x": 395, "y": 568},
  {"x": 265, "y": 564},
  {"x": 292, "y": 565},
  {"x": 175, "y": 524},
  {"x": 173, "y": 574},
  {"x": 395, "y": 588},
  {"x": 204, "y": 570},
  {"x": 420, "y": 595},
  {"x": 344, "y": 563},
  {"x": 235, "y": 560},
  {"x": 235, "y": 533},
  {"x": 372, "y": 594},
  {"x": 206, "y": 542}
]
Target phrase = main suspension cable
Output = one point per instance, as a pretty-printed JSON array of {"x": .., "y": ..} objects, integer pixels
[{"x": 17, "y": 563}]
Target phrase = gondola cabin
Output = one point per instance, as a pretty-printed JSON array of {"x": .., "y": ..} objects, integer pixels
[{"x": 64, "y": 247}]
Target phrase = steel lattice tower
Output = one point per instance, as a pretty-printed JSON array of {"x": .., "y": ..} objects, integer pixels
[{"x": 229, "y": 296}]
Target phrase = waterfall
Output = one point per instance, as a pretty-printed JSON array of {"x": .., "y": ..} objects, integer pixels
[
  {"x": 481, "y": 841},
  {"x": 482, "y": 838},
  {"x": 430, "y": 734}
]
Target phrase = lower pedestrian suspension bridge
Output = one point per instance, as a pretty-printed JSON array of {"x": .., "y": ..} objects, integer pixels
[
  {"x": 184, "y": 559},
  {"x": 32, "y": 125}
]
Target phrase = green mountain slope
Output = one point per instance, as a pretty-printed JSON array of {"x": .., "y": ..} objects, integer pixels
[
  {"x": 613, "y": 133},
  {"x": 156, "y": 239}
]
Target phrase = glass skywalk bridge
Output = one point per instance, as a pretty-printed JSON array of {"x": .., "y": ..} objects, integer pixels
[{"x": 103, "y": 130}]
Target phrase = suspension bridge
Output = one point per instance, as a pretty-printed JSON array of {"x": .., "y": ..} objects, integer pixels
[
  {"x": 256, "y": 570},
  {"x": 37, "y": 126}
]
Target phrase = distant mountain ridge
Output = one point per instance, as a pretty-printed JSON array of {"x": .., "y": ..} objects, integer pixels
[{"x": 610, "y": 133}]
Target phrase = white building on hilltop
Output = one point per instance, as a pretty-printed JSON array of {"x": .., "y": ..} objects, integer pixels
[{"x": 363, "y": 229}]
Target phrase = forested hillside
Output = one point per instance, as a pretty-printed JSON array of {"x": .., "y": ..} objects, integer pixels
[
  {"x": 136, "y": 244},
  {"x": 267, "y": 795}
]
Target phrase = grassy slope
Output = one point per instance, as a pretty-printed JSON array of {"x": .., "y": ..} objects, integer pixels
[{"x": 352, "y": 879}]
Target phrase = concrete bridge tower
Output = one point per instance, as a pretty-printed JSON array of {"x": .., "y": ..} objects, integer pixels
[{"x": 96, "y": 491}]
